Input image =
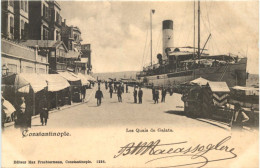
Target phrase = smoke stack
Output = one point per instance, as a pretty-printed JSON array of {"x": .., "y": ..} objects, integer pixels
[{"x": 167, "y": 28}]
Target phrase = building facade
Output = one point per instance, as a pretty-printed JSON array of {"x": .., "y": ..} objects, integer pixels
[
  {"x": 55, "y": 21},
  {"x": 56, "y": 51},
  {"x": 86, "y": 54},
  {"x": 39, "y": 20},
  {"x": 17, "y": 58},
  {"x": 15, "y": 19},
  {"x": 38, "y": 25},
  {"x": 71, "y": 36}
]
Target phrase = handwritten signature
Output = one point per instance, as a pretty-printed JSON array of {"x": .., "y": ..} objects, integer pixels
[{"x": 198, "y": 154}]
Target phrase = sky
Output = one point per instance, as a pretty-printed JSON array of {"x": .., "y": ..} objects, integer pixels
[{"x": 119, "y": 34}]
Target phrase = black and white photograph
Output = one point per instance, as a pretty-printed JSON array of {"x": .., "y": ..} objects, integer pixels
[{"x": 140, "y": 84}]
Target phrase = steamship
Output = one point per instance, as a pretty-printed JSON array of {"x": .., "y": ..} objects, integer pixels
[{"x": 183, "y": 64}]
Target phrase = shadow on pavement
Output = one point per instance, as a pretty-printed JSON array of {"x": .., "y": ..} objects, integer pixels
[
  {"x": 208, "y": 122},
  {"x": 93, "y": 106},
  {"x": 211, "y": 122},
  {"x": 131, "y": 103},
  {"x": 37, "y": 125},
  {"x": 181, "y": 113},
  {"x": 115, "y": 102}
]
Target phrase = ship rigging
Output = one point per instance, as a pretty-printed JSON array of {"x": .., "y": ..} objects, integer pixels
[{"x": 177, "y": 65}]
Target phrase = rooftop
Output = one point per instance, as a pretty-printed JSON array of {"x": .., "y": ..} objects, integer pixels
[{"x": 43, "y": 43}]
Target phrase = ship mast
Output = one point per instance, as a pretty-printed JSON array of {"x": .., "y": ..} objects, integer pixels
[
  {"x": 151, "y": 27},
  {"x": 194, "y": 31},
  {"x": 194, "y": 34},
  {"x": 199, "y": 31}
]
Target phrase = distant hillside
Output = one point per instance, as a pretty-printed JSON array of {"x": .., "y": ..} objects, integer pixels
[{"x": 117, "y": 75}]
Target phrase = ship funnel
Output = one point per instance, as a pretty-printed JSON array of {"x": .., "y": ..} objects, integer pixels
[{"x": 167, "y": 36}]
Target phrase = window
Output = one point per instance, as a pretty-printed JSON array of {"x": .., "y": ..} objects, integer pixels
[
  {"x": 22, "y": 4},
  {"x": 12, "y": 68},
  {"x": 12, "y": 25},
  {"x": 11, "y": 3},
  {"x": 57, "y": 17},
  {"x": 75, "y": 37},
  {"x": 45, "y": 12},
  {"x": 28, "y": 69},
  {"x": 26, "y": 5},
  {"x": 45, "y": 34},
  {"x": 57, "y": 35},
  {"x": 22, "y": 30},
  {"x": 41, "y": 71}
]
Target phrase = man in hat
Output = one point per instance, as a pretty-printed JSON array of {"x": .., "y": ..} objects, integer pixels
[
  {"x": 156, "y": 96},
  {"x": 106, "y": 85},
  {"x": 111, "y": 91},
  {"x": 99, "y": 96},
  {"x": 119, "y": 94},
  {"x": 126, "y": 88},
  {"x": 43, "y": 107},
  {"x": 153, "y": 92},
  {"x": 135, "y": 95},
  {"x": 140, "y": 95},
  {"x": 163, "y": 95}
]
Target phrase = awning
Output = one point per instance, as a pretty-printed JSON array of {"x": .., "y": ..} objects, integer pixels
[
  {"x": 84, "y": 78},
  {"x": 200, "y": 81},
  {"x": 8, "y": 107},
  {"x": 68, "y": 76},
  {"x": 90, "y": 78},
  {"x": 23, "y": 81},
  {"x": 55, "y": 82},
  {"x": 218, "y": 87}
]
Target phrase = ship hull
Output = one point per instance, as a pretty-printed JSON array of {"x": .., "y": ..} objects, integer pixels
[{"x": 232, "y": 74}]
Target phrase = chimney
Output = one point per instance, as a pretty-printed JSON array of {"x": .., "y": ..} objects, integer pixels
[{"x": 167, "y": 38}]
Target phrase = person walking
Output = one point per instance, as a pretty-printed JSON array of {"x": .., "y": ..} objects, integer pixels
[
  {"x": 115, "y": 87},
  {"x": 140, "y": 95},
  {"x": 111, "y": 91},
  {"x": 163, "y": 95},
  {"x": 239, "y": 118},
  {"x": 43, "y": 107},
  {"x": 106, "y": 85},
  {"x": 156, "y": 96},
  {"x": 153, "y": 93},
  {"x": 119, "y": 94},
  {"x": 135, "y": 95},
  {"x": 126, "y": 88},
  {"x": 99, "y": 96},
  {"x": 83, "y": 92},
  {"x": 28, "y": 110},
  {"x": 123, "y": 88}
]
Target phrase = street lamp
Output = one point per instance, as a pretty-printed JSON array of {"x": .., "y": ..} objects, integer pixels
[{"x": 5, "y": 70}]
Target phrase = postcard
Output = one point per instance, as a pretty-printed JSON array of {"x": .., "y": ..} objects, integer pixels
[{"x": 156, "y": 84}]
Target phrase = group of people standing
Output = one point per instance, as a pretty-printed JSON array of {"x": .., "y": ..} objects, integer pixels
[
  {"x": 137, "y": 93},
  {"x": 140, "y": 95},
  {"x": 156, "y": 93},
  {"x": 119, "y": 89}
]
